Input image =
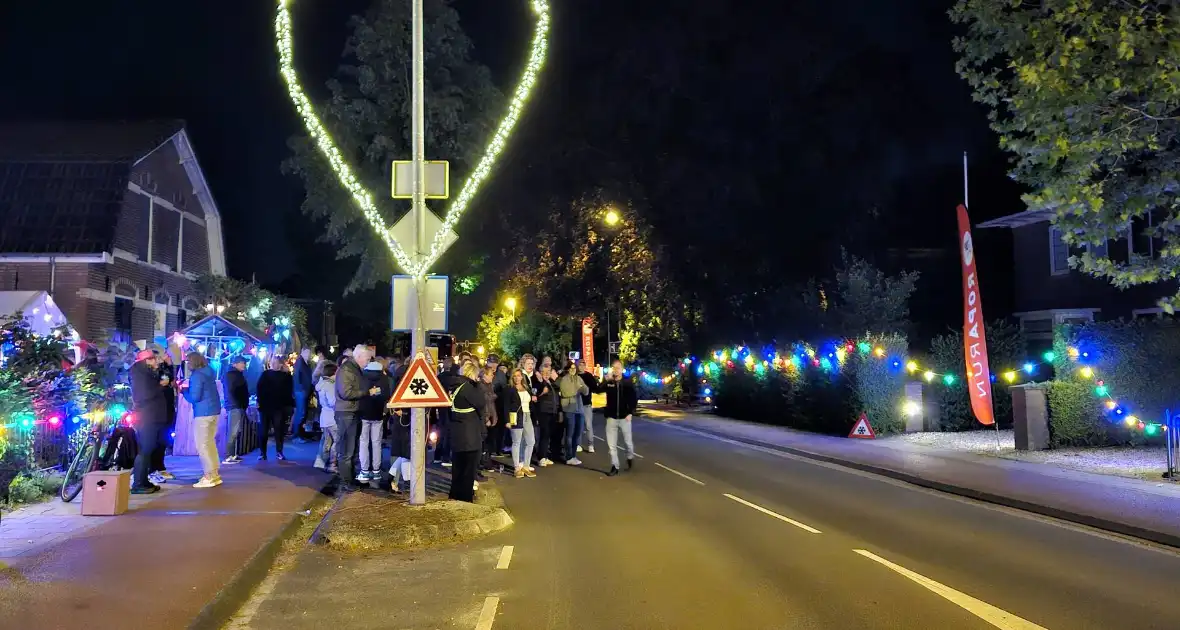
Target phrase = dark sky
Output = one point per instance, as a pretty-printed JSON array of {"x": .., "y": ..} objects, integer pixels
[{"x": 783, "y": 112}]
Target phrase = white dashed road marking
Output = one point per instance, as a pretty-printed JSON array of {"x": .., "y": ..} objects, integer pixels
[
  {"x": 505, "y": 557},
  {"x": 997, "y": 617},
  {"x": 487, "y": 615},
  {"x": 780, "y": 517},
  {"x": 680, "y": 474}
]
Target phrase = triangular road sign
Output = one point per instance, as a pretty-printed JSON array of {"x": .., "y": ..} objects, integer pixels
[
  {"x": 862, "y": 429},
  {"x": 420, "y": 388}
]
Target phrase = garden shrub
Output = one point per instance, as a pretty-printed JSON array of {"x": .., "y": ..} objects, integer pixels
[
  {"x": 878, "y": 385},
  {"x": 1005, "y": 351},
  {"x": 25, "y": 488},
  {"x": 1075, "y": 415},
  {"x": 1136, "y": 362}
]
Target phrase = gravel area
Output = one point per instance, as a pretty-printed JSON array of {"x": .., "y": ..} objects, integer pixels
[{"x": 1122, "y": 461}]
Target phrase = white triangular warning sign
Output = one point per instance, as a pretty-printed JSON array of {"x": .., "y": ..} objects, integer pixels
[
  {"x": 862, "y": 429},
  {"x": 420, "y": 388}
]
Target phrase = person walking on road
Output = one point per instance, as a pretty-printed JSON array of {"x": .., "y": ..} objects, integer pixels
[
  {"x": 372, "y": 412},
  {"x": 350, "y": 390},
  {"x": 571, "y": 387},
  {"x": 621, "y": 402},
  {"x": 200, "y": 389},
  {"x": 325, "y": 391},
  {"x": 467, "y": 403},
  {"x": 276, "y": 397},
  {"x": 237, "y": 401},
  {"x": 151, "y": 410},
  {"x": 588, "y": 404}
]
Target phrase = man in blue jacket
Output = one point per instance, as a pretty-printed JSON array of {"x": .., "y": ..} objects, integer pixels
[{"x": 303, "y": 387}]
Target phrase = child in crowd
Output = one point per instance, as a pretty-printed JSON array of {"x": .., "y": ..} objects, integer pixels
[{"x": 325, "y": 391}]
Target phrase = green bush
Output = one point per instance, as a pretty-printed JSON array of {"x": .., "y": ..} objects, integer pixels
[
  {"x": 51, "y": 482},
  {"x": 25, "y": 488},
  {"x": 1136, "y": 364},
  {"x": 811, "y": 399},
  {"x": 1005, "y": 351},
  {"x": 1075, "y": 415}
]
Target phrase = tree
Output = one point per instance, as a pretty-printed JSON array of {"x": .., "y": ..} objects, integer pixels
[
  {"x": 368, "y": 115},
  {"x": 535, "y": 333},
  {"x": 1086, "y": 94},
  {"x": 248, "y": 302},
  {"x": 578, "y": 264},
  {"x": 860, "y": 299}
]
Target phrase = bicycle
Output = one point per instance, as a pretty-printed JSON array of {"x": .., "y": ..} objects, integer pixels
[{"x": 98, "y": 452}]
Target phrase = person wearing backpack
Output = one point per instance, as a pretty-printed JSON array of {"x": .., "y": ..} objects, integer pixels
[{"x": 200, "y": 389}]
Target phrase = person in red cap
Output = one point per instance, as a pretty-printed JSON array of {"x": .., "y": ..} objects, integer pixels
[{"x": 151, "y": 412}]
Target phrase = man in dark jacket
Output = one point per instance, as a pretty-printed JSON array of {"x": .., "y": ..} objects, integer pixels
[
  {"x": 621, "y": 402},
  {"x": 236, "y": 401},
  {"x": 151, "y": 412},
  {"x": 588, "y": 403},
  {"x": 303, "y": 384},
  {"x": 351, "y": 388}
]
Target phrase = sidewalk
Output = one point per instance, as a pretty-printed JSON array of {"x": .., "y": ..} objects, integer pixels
[
  {"x": 1143, "y": 509},
  {"x": 159, "y": 565}
]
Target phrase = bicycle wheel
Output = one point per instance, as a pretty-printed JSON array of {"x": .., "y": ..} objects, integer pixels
[{"x": 82, "y": 464}]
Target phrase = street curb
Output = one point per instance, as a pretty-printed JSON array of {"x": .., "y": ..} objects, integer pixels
[
  {"x": 237, "y": 590},
  {"x": 1088, "y": 520},
  {"x": 448, "y": 533}
]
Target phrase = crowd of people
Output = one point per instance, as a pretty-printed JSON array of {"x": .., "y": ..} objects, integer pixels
[{"x": 532, "y": 414}]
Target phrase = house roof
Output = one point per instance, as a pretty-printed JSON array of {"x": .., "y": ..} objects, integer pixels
[
  {"x": 62, "y": 183},
  {"x": 1020, "y": 219},
  {"x": 213, "y": 326}
]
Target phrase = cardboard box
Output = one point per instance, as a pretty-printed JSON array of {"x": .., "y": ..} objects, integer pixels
[{"x": 106, "y": 493}]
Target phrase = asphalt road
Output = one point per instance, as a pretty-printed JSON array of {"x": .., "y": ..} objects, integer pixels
[{"x": 707, "y": 534}]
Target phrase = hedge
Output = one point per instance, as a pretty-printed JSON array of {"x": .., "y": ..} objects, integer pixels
[{"x": 1005, "y": 350}]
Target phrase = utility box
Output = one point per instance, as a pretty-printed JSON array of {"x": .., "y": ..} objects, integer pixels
[
  {"x": 106, "y": 493},
  {"x": 1030, "y": 417}
]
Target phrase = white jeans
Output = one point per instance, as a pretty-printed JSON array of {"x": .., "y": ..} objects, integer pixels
[
  {"x": 523, "y": 432},
  {"x": 370, "y": 439},
  {"x": 205, "y": 432},
  {"x": 613, "y": 425}
]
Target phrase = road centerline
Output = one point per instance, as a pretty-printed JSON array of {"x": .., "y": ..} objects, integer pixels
[
  {"x": 997, "y": 617},
  {"x": 802, "y": 526},
  {"x": 487, "y": 614},
  {"x": 680, "y": 474},
  {"x": 505, "y": 557}
]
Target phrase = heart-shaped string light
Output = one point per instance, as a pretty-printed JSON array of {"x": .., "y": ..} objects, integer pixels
[{"x": 344, "y": 173}]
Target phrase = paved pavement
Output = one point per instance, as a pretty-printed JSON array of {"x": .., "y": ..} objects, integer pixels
[
  {"x": 156, "y": 566},
  {"x": 711, "y": 534}
]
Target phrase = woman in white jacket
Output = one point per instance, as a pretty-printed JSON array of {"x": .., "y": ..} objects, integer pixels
[{"x": 325, "y": 391}]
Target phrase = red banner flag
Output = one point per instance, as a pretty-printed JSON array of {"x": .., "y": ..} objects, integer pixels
[
  {"x": 979, "y": 377},
  {"x": 588, "y": 342}
]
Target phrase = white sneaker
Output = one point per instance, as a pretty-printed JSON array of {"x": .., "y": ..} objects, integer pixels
[
  {"x": 574, "y": 462},
  {"x": 531, "y": 469},
  {"x": 579, "y": 448},
  {"x": 590, "y": 449},
  {"x": 475, "y": 485},
  {"x": 157, "y": 479},
  {"x": 206, "y": 482},
  {"x": 545, "y": 461},
  {"x": 232, "y": 459}
]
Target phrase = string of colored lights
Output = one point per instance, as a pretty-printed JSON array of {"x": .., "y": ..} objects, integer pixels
[
  {"x": 808, "y": 356},
  {"x": 344, "y": 173}
]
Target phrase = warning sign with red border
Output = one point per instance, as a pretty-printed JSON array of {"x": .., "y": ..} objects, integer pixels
[
  {"x": 862, "y": 429},
  {"x": 420, "y": 388}
]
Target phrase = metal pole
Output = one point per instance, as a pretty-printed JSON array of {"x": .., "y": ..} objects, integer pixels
[
  {"x": 608, "y": 336},
  {"x": 418, "y": 339}
]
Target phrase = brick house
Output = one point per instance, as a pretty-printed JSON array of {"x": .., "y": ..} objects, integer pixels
[
  {"x": 1048, "y": 292},
  {"x": 114, "y": 220}
]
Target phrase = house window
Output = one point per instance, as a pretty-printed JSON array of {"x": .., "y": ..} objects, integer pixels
[
  {"x": 1058, "y": 253},
  {"x": 181, "y": 318},
  {"x": 124, "y": 307}
]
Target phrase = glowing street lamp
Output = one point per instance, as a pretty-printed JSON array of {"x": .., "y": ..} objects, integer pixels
[
  {"x": 612, "y": 218},
  {"x": 510, "y": 302}
]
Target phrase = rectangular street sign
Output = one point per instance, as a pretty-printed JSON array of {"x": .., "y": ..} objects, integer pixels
[
  {"x": 437, "y": 304},
  {"x": 437, "y": 179}
]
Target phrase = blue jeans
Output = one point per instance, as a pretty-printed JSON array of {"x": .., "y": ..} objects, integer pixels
[{"x": 574, "y": 426}]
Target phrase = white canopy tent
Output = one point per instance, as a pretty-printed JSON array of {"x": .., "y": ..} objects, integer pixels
[{"x": 39, "y": 309}]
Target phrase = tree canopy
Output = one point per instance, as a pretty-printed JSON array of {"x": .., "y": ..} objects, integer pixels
[
  {"x": 1086, "y": 94},
  {"x": 859, "y": 299},
  {"x": 368, "y": 113}
]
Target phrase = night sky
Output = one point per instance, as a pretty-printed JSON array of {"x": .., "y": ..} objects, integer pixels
[{"x": 779, "y": 114}]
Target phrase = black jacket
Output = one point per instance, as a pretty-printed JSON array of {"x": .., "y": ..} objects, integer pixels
[
  {"x": 302, "y": 377},
  {"x": 237, "y": 392},
  {"x": 621, "y": 398},
  {"x": 591, "y": 384},
  {"x": 151, "y": 407},
  {"x": 276, "y": 391},
  {"x": 372, "y": 406},
  {"x": 466, "y": 426},
  {"x": 548, "y": 401}
]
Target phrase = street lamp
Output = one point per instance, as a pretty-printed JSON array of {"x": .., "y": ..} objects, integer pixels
[
  {"x": 612, "y": 218},
  {"x": 510, "y": 302}
]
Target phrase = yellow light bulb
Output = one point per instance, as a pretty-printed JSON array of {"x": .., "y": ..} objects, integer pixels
[
  {"x": 1086, "y": 372},
  {"x": 929, "y": 376},
  {"x": 1110, "y": 404},
  {"x": 879, "y": 351},
  {"x": 1010, "y": 376},
  {"x": 911, "y": 366}
]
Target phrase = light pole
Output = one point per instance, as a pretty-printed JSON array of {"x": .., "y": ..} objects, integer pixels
[
  {"x": 421, "y": 248},
  {"x": 612, "y": 220}
]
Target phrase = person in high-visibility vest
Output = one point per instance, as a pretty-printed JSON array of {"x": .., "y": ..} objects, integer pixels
[{"x": 466, "y": 425}]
